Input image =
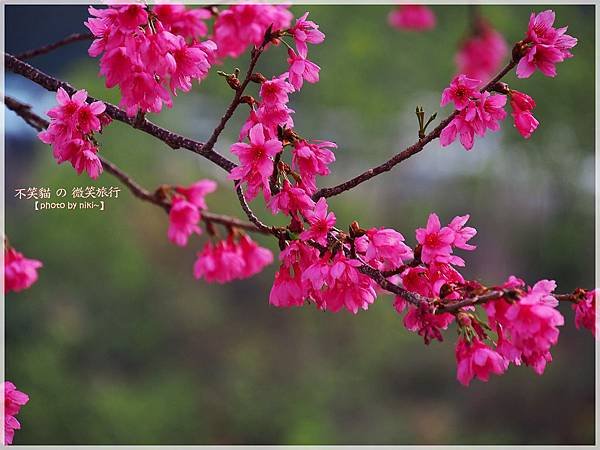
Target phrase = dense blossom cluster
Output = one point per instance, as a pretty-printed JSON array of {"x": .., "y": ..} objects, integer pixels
[
  {"x": 13, "y": 401},
  {"x": 150, "y": 53},
  {"x": 72, "y": 124},
  {"x": 412, "y": 18},
  {"x": 19, "y": 272}
]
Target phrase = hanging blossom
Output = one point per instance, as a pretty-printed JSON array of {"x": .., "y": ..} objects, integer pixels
[
  {"x": 13, "y": 401},
  {"x": 522, "y": 106},
  {"x": 586, "y": 314},
  {"x": 19, "y": 272},
  {"x": 240, "y": 26},
  {"x": 186, "y": 208},
  {"x": 476, "y": 359},
  {"x": 70, "y": 133},
  {"x": 320, "y": 223},
  {"x": 231, "y": 259},
  {"x": 544, "y": 46},
  {"x": 481, "y": 54},
  {"x": 148, "y": 58},
  {"x": 412, "y": 18}
]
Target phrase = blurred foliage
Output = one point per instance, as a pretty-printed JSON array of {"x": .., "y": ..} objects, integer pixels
[{"x": 118, "y": 344}]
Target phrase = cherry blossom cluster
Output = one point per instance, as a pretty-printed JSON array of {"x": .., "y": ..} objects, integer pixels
[
  {"x": 73, "y": 123},
  {"x": 13, "y": 401},
  {"x": 150, "y": 53}
]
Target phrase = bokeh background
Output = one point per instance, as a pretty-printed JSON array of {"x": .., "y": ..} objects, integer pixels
[{"x": 118, "y": 344}]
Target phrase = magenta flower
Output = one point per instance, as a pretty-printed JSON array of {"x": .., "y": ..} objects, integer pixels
[
  {"x": 192, "y": 62},
  {"x": 412, "y": 17},
  {"x": 436, "y": 242},
  {"x": 256, "y": 162},
  {"x": 87, "y": 161},
  {"x": 197, "y": 192},
  {"x": 220, "y": 263},
  {"x": 586, "y": 315},
  {"x": 300, "y": 69},
  {"x": 183, "y": 221},
  {"x": 423, "y": 321},
  {"x": 291, "y": 201},
  {"x": 545, "y": 46},
  {"x": 475, "y": 359},
  {"x": 13, "y": 401},
  {"x": 19, "y": 272},
  {"x": 320, "y": 223},
  {"x": 481, "y": 55},
  {"x": 312, "y": 159},
  {"x": 386, "y": 249},
  {"x": 460, "y": 91},
  {"x": 255, "y": 258},
  {"x": 522, "y": 105},
  {"x": 182, "y": 21},
  {"x": 306, "y": 31},
  {"x": 462, "y": 234},
  {"x": 275, "y": 91}
]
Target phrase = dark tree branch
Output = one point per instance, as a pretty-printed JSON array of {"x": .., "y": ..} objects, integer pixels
[
  {"x": 408, "y": 152},
  {"x": 75, "y": 37}
]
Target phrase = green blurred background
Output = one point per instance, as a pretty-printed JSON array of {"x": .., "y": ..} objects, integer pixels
[{"x": 118, "y": 344}]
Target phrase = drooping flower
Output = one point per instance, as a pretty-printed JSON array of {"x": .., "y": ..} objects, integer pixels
[
  {"x": 256, "y": 162},
  {"x": 255, "y": 258},
  {"x": 312, "y": 159},
  {"x": 544, "y": 46},
  {"x": 586, "y": 315},
  {"x": 183, "y": 221},
  {"x": 19, "y": 272},
  {"x": 306, "y": 31},
  {"x": 197, "y": 192},
  {"x": 460, "y": 91},
  {"x": 301, "y": 68},
  {"x": 275, "y": 91},
  {"x": 289, "y": 288},
  {"x": 182, "y": 21},
  {"x": 423, "y": 320},
  {"x": 475, "y": 359},
  {"x": 13, "y": 401},
  {"x": 522, "y": 106},
  {"x": 320, "y": 222},
  {"x": 386, "y": 249},
  {"x": 412, "y": 17},
  {"x": 481, "y": 55},
  {"x": 219, "y": 263},
  {"x": 291, "y": 200}
]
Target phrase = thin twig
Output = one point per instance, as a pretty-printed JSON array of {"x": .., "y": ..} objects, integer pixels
[
  {"x": 408, "y": 152},
  {"x": 75, "y": 37}
]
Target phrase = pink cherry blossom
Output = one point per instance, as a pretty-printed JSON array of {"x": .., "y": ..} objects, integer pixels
[
  {"x": 239, "y": 26},
  {"x": 183, "y": 21},
  {"x": 462, "y": 234},
  {"x": 481, "y": 55},
  {"x": 192, "y": 62},
  {"x": 475, "y": 359},
  {"x": 423, "y": 320},
  {"x": 256, "y": 162},
  {"x": 183, "y": 221},
  {"x": 320, "y": 223},
  {"x": 219, "y": 263},
  {"x": 522, "y": 105},
  {"x": 255, "y": 258},
  {"x": 460, "y": 91},
  {"x": 306, "y": 31},
  {"x": 274, "y": 92},
  {"x": 197, "y": 192},
  {"x": 436, "y": 241},
  {"x": 13, "y": 401},
  {"x": 586, "y": 315},
  {"x": 312, "y": 159},
  {"x": 301, "y": 68},
  {"x": 545, "y": 46},
  {"x": 289, "y": 288},
  {"x": 412, "y": 17},
  {"x": 491, "y": 111},
  {"x": 386, "y": 249},
  {"x": 19, "y": 272},
  {"x": 87, "y": 161},
  {"x": 291, "y": 200}
]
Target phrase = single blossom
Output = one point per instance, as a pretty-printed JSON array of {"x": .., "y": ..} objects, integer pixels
[
  {"x": 306, "y": 31},
  {"x": 386, "y": 249},
  {"x": 289, "y": 289},
  {"x": 13, "y": 401},
  {"x": 544, "y": 46},
  {"x": 312, "y": 159},
  {"x": 522, "y": 106},
  {"x": 219, "y": 263},
  {"x": 275, "y": 91},
  {"x": 256, "y": 258},
  {"x": 412, "y": 17},
  {"x": 291, "y": 200},
  {"x": 436, "y": 241},
  {"x": 460, "y": 91},
  {"x": 197, "y": 192},
  {"x": 481, "y": 55},
  {"x": 423, "y": 320},
  {"x": 320, "y": 222},
  {"x": 475, "y": 359},
  {"x": 19, "y": 272},
  {"x": 301, "y": 68},
  {"x": 183, "y": 221}
]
